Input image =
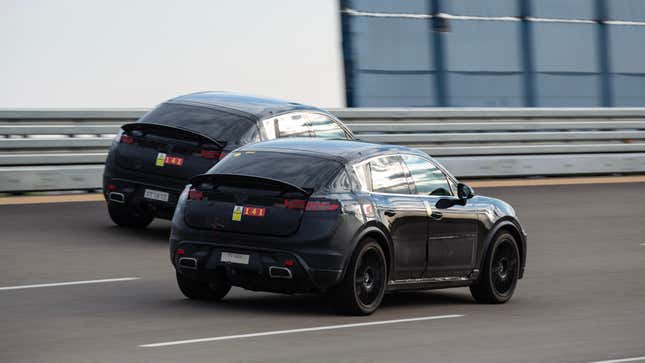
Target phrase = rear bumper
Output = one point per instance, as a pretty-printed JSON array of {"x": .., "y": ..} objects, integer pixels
[
  {"x": 131, "y": 186},
  {"x": 268, "y": 269}
]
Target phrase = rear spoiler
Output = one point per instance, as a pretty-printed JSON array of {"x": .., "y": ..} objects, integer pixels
[
  {"x": 189, "y": 133},
  {"x": 222, "y": 178}
]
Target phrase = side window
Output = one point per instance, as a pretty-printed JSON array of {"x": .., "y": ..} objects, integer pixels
[
  {"x": 428, "y": 179},
  {"x": 325, "y": 127},
  {"x": 388, "y": 176},
  {"x": 293, "y": 125}
]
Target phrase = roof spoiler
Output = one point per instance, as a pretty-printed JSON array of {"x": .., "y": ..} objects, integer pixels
[
  {"x": 189, "y": 133},
  {"x": 240, "y": 178}
]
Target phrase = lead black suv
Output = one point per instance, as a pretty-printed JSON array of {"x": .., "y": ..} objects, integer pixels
[
  {"x": 151, "y": 160},
  {"x": 346, "y": 218}
]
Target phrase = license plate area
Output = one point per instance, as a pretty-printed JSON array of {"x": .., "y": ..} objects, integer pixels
[
  {"x": 156, "y": 195},
  {"x": 237, "y": 258}
]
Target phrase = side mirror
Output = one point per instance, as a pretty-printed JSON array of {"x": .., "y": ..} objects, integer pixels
[{"x": 464, "y": 191}]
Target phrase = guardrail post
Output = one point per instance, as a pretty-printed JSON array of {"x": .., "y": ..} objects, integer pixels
[
  {"x": 526, "y": 46},
  {"x": 437, "y": 26},
  {"x": 606, "y": 90}
]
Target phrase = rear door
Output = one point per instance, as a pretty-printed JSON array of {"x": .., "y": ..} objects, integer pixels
[
  {"x": 403, "y": 213},
  {"x": 452, "y": 230}
]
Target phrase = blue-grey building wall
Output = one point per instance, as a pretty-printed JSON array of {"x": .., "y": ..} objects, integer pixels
[{"x": 496, "y": 53}]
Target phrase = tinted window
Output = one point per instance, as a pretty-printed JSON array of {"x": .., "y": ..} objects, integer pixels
[
  {"x": 388, "y": 176},
  {"x": 303, "y": 171},
  {"x": 293, "y": 125},
  {"x": 428, "y": 179},
  {"x": 219, "y": 125},
  {"x": 325, "y": 127}
]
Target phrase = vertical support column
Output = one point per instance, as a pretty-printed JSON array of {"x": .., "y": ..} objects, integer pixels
[
  {"x": 526, "y": 47},
  {"x": 348, "y": 60},
  {"x": 606, "y": 90},
  {"x": 437, "y": 25}
]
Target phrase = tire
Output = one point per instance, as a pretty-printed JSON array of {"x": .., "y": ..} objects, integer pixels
[
  {"x": 198, "y": 290},
  {"x": 363, "y": 287},
  {"x": 125, "y": 217},
  {"x": 499, "y": 277}
]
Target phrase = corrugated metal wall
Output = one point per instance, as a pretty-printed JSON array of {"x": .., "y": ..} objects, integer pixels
[{"x": 495, "y": 53}]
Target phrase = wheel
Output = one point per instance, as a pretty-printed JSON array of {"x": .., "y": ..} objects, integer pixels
[
  {"x": 363, "y": 287},
  {"x": 198, "y": 290},
  {"x": 499, "y": 277},
  {"x": 125, "y": 217}
]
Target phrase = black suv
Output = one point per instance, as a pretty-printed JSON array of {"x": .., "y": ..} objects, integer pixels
[
  {"x": 347, "y": 218},
  {"x": 151, "y": 160}
]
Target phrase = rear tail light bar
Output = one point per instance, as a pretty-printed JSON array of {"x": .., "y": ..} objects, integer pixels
[
  {"x": 313, "y": 205},
  {"x": 212, "y": 154},
  {"x": 126, "y": 139},
  {"x": 194, "y": 194}
]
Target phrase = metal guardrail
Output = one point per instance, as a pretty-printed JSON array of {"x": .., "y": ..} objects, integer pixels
[{"x": 65, "y": 149}]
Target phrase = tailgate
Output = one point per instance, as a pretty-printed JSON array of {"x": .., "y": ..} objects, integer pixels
[
  {"x": 167, "y": 151},
  {"x": 245, "y": 204}
]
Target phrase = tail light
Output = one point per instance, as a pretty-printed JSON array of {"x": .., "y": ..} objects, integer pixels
[
  {"x": 212, "y": 154},
  {"x": 127, "y": 139},
  {"x": 194, "y": 194},
  {"x": 313, "y": 205}
]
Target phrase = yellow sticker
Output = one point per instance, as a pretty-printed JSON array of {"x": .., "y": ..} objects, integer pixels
[
  {"x": 161, "y": 159},
  {"x": 237, "y": 154},
  {"x": 237, "y": 213},
  {"x": 250, "y": 152}
]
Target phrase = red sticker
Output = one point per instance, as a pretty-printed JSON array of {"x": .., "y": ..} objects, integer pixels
[
  {"x": 254, "y": 211},
  {"x": 174, "y": 160}
]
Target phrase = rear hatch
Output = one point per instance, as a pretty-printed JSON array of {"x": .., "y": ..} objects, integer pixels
[
  {"x": 179, "y": 141},
  {"x": 265, "y": 193},
  {"x": 166, "y": 151}
]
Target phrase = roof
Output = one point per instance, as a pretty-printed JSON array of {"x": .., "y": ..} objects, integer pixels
[
  {"x": 259, "y": 107},
  {"x": 333, "y": 149}
]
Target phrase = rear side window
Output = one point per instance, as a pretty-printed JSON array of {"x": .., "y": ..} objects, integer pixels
[
  {"x": 429, "y": 180},
  {"x": 307, "y": 172},
  {"x": 216, "y": 124},
  {"x": 325, "y": 127},
  {"x": 388, "y": 176}
]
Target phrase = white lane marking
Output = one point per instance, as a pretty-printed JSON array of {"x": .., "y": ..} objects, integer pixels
[
  {"x": 291, "y": 331},
  {"x": 621, "y": 360},
  {"x": 67, "y": 283}
]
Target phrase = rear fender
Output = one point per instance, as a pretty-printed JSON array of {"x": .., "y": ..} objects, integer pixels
[{"x": 373, "y": 229}]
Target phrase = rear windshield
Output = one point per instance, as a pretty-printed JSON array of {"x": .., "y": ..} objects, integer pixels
[
  {"x": 307, "y": 172},
  {"x": 218, "y": 125}
]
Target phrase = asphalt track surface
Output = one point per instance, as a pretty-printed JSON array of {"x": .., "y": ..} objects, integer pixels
[{"x": 582, "y": 298}]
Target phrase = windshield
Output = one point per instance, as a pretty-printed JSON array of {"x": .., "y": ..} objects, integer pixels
[
  {"x": 216, "y": 124},
  {"x": 306, "y": 172}
]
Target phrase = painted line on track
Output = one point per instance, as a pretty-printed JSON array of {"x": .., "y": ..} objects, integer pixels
[
  {"x": 53, "y": 284},
  {"x": 634, "y": 359},
  {"x": 292, "y": 331}
]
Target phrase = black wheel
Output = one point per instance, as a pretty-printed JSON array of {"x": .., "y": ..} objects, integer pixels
[
  {"x": 127, "y": 217},
  {"x": 499, "y": 277},
  {"x": 363, "y": 287},
  {"x": 197, "y": 290}
]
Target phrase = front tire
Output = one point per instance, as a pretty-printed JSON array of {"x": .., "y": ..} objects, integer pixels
[
  {"x": 126, "y": 217},
  {"x": 198, "y": 290},
  {"x": 501, "y": 272},
  {"x": 363, "y": 287}
]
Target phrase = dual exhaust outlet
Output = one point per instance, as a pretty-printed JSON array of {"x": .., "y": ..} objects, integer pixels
[{"x": 275, "y": 272}]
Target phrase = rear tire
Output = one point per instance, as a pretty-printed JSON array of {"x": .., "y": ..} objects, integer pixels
[
  {"x": 363, "y": 287},
  {"x": 198, "y": 290},
  {"x": 499, "y": 277},
  {"x": 126, "y": 217}
]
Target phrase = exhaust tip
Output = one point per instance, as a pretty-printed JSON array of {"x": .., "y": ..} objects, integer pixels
[
  {"x": 276, "y": 272},
  {"x": 188, "y": 262},
  {"x": 116, "y": 197}
]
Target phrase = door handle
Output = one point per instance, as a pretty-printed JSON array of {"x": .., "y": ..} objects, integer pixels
[
  {"x": 389, "y": 213},
  {"x": 436, "y": 215}
]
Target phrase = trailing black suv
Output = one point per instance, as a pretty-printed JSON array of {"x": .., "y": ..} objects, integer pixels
[{"x": 151, "y": 160}]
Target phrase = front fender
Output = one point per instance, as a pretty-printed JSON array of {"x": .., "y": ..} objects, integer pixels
[{"x": 513, "y": 225}]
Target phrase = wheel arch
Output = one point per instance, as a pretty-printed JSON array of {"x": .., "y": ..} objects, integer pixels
[
  {"x": 377, "y": 233},
  {"x": 513, "y": 227}
]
